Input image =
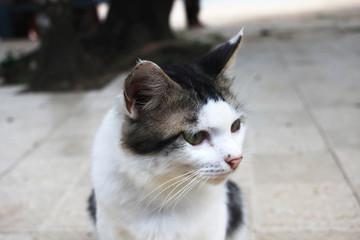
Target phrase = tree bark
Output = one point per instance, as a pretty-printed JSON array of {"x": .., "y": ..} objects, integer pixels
[
  {"x": 132, "y": 24},
  {"x": 133, "y": 29},
  {"x": 61, "y": 61}
]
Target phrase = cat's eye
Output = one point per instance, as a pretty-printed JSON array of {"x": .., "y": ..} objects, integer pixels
[
  {"x": 236, "y": 125},
  {"x": 195, "y": 139}
]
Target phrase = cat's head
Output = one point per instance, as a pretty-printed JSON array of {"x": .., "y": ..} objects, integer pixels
[{"x": 184, "y": 118}]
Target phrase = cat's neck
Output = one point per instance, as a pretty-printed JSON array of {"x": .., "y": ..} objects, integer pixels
[{"x": 175, "y": 196}]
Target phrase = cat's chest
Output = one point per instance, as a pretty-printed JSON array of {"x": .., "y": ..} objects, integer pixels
[
  {"x": 203, "y": 218},
  {"x": 185, "y": 225}
]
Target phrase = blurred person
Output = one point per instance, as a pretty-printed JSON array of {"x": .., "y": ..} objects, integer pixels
[{"x": 192, "y": 8}]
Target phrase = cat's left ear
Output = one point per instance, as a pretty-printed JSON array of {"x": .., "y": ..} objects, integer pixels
[{"x": 218, "y": 60}]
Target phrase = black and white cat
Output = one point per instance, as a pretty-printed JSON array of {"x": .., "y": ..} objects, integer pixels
[{"x": 164, "y": 152}]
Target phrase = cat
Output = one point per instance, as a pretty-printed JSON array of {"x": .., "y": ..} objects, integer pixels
[{"x": 163, "y": 154}]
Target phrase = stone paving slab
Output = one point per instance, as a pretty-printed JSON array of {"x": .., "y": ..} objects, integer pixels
[
  {"x": 34, "y": 117},
  {"x": 44, "y": 191},
  {"x": 301, "y": 183},
  {"x": 332, "y": 97},
  {"x": 334, "y": 235}
]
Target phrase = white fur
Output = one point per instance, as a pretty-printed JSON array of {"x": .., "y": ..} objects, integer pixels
[
  {"x": 236, "y": 37},
  {"x": 135, "y": 194}
]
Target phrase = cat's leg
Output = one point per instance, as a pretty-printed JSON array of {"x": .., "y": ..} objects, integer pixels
[
  {"x": 239, "y": 234},
  {"x": 92, "y": 206},
  {"x": 104, "y": 228},
  {"x": 108, "y": 227},
  {"x": 102, "y": 221},
  {"x": 236, "y": 226}
]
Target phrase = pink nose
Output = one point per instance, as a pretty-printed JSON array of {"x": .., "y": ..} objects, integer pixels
[{"x": 233, "y": 162}]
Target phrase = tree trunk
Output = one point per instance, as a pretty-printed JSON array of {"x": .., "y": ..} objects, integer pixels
[
  {"x": 132, "y": 24},
  {"x": 61, "y": 61},
  {"x": 132, "y": 29}
]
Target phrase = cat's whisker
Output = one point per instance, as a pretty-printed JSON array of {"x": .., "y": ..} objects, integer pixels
[
  {"x": 248, "y": 149},
  {"x": 177, "y": 183},
  {"x": 148, "y": 169},
  {"x": 160, "y": 207},
  {"x": 168, "y": 198},
  {"x": 250, "y": 77},
  {"x": 204, "y": 179},
  {"x": 183, "y": 193},
  {"x": 246, "y": 164},
  {"x": 201, "y": 181},
  {"x": 179, "y": 195},
  {"x": 162, "y": 185},
  {"x": 246, "y": 79},
  {"x": 184, "y": 180},
  {"x": 246, "y": 160},
  {"x": 248, "y": 153}
]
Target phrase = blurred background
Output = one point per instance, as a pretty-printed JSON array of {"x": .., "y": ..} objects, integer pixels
[{"x": 298, "y": 70}]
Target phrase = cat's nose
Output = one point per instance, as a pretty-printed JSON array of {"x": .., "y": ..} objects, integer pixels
[{"x": 233, "y": 162}]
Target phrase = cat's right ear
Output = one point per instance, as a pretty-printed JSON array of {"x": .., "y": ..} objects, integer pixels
[{"x": 145, "y": 88}]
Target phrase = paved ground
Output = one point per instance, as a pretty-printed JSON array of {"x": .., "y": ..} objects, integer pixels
[{"x": 301, "y": 173}]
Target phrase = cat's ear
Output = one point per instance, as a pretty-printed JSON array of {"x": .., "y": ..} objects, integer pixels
[
  {"x": 144, "y": 88},
  {"x": 218, "y": 60}
]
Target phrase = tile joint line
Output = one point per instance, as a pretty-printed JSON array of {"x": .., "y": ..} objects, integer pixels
[{"x": 320, "y": 129}]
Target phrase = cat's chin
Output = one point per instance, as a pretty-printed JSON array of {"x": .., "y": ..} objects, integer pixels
[
  {"x": 217, "y": 179},
  {"x": 215, "y": 174}
]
